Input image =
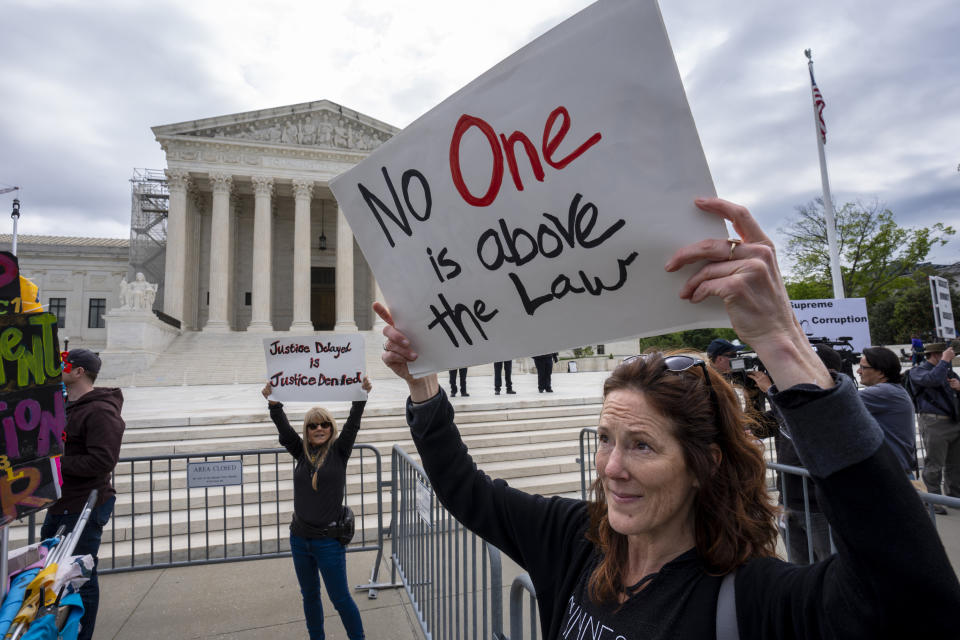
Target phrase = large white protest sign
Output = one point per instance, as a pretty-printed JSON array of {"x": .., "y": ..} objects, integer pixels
[
  {"x": 534, "y": 209},
  {"x": 944, "y": 322},
  {"x": 833, "y": 319},
  {"x": 314, "y": 368}
]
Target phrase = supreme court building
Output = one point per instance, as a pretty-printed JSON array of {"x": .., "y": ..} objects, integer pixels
[{"x": 255, "y": 240}]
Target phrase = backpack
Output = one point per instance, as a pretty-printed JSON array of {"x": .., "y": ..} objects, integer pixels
[{"x": 911, "y": 387}]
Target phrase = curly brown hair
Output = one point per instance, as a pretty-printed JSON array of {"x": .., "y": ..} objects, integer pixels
[{"x": 734, "y": 520}]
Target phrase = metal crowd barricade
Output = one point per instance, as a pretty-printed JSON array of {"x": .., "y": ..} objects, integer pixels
[
  {"x": 452, "y": 577},
  {"x": 159, "y": 522},
  {"x": 520, "y": 585}
]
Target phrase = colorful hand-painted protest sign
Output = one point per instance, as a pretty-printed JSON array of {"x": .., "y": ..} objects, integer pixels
[
  {"x": 32, "y": 416},
  {"x": 314, "y": 368},
  {"x": 27, "y": 488},
  {"x": 534, "y": 209}
]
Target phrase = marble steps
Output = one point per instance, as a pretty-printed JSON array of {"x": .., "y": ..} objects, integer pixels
[
  {"x": 234, "y": 357},
  {"x": 141, "y": 480},
  {"x": 385, "y": 416},
  {"x": 274, "y": 487},
  {"x": 383, "y": 438}
]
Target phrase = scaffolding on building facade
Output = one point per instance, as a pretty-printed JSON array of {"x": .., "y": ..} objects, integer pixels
[{"x": 148, "y": 227}]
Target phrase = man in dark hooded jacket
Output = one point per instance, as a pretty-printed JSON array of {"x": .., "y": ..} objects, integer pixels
[{"x": 91, "y": 449}]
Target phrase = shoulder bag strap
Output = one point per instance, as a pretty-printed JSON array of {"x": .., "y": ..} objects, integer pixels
[{"x": 727, "y": 628}]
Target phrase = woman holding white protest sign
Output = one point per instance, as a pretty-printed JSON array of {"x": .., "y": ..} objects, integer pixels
[
  {"x": 318, "y": 528},
  {"x": 680, "y": 538}
]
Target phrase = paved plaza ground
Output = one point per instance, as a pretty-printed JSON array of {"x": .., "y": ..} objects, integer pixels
[{"x": 261, "y": 599}]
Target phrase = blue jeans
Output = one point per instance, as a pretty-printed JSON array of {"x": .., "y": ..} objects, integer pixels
[
  {"x": 328, "y": 557},
  {"x": 89, "y": 542}
]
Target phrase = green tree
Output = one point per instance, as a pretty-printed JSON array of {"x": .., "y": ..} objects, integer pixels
[
  {"x": 906, "y": 311},
  {"x": 876, "y": 254},
  {"x": 696, "y": 339}
]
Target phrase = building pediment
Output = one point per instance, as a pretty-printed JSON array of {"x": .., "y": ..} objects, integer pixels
[{"x": 321, "y": 125}]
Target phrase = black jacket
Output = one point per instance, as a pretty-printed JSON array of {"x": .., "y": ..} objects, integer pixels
[{"x": 316, "y": 510}]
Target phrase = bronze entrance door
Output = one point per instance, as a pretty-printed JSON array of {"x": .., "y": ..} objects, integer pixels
[{"x": 323, "y": 298}]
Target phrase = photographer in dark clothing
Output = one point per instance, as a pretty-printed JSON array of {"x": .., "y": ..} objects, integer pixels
[
  {"x": 721, "y": 352},
  {"x": 91, "y": 450}
]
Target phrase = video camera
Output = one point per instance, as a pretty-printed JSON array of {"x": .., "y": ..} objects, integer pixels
[
  {"x": 849, "y": 357},
  {"x": 747, "y": 362}
]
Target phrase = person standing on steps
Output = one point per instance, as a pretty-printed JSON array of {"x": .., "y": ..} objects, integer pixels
[
  {"x": 506, "y": 366},
  {"x": 463, "y": 383},
  {"x": 544, "y": 366}
]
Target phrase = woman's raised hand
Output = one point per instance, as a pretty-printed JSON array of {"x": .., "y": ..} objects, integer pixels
[
  {"x": 396, "y": 348},
  {"x": 745, "y": 275},
  {"x": 397, "y": 352},
  {"x": 266, "y": 391},
  {"x": 366, "y": 386}
]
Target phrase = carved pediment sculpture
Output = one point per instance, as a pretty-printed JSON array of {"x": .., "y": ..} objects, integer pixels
[{"x": 319, "y": 129}]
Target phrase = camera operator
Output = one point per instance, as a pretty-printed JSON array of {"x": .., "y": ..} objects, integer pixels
[{"x": 721, "y": 352}]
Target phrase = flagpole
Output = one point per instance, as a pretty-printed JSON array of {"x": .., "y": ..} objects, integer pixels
[{"x": 820, "y": 129}]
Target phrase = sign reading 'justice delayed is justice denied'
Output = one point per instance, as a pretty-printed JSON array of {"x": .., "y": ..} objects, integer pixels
[
  {"x": 315, "y": 368},
  {"x": 534, "y": 209}
]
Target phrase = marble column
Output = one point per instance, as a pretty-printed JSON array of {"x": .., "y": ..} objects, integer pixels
[
  {"x": 175, "y": 266},
  {"x": 261, "y": 296},
  {"x": 302, "y": 194},
  {"x": 345, "y": 321},
  {"x": 219, "y": 285}
]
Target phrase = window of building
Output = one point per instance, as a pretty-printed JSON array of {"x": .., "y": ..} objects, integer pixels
[
  {"x": 95, "y": 317},
  {"x": 58, "y": 307}
]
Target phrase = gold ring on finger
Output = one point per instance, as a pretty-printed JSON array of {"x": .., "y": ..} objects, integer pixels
[{"x": 733, "y": 245}]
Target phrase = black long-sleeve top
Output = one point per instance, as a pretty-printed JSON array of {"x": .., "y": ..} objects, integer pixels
[
  {"x": 318, "y": 509},
  {"x": 890, "y": 578}
]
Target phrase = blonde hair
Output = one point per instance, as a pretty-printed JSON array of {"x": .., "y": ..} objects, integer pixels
[{"x": 317, "y": 455}]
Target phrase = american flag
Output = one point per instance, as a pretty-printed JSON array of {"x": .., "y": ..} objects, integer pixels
[{"x": 818, "y": 106}]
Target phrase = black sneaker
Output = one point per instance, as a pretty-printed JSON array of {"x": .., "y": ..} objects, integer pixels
[
  {"x": 511, "y": 392},
  {"x": 453, "y": 394},
  {"x": 464, "y": 395}
]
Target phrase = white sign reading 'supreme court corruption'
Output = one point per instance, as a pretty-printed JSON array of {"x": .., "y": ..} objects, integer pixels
[
  {"x": 534, "y": 209},
  {"x": 834, "y": 319}
]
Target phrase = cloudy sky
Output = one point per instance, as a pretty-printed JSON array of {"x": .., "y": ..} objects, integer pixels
[{"x": 81, "y": 83}]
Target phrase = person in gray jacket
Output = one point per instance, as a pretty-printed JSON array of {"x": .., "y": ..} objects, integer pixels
[{"x": 889, "y": 403}]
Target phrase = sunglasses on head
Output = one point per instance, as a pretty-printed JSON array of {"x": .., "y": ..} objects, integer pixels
[
  {"x": 679, "y": 364},
  {"x": 323, "y": 425}
]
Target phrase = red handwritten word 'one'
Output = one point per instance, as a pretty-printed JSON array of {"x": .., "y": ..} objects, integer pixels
[{"x": 505, "y": 147}]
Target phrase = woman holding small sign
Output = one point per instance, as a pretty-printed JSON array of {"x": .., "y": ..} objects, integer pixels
[
  {"x": 680, "y": 538},
  {"x": 319, "y": 478}
]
